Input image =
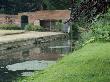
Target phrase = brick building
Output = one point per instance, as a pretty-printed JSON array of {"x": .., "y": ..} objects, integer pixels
[{"x": 45, "y": 18}]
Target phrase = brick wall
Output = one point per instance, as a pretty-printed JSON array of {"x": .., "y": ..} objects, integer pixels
[
  {"x": 47, "y": 15},
  {"x": 35, "y": 16}
]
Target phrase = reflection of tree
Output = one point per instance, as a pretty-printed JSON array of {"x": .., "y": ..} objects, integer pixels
[
  {"x": 25, "y": 53},
  {"x": 8, "y": 76}
]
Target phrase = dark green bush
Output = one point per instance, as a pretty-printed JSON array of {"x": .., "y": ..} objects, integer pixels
[
  {"x": 31, "y": 27},
  {"x": 9, "y": 27}
]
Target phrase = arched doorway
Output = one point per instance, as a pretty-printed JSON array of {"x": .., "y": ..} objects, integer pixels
[{"x": 24, "y": 21}]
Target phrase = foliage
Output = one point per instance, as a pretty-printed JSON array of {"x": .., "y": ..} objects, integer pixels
[
  {"x": 9, "y": 27},
  {"x": 102, "y": 32},
  {"x": 83, "y": 13},
  {"x": 89, "y": 64},
  {"x": 31, "y": 27},
  {"x": 15, "y": 6},
  {"x": 81, "y": 32},
  {"x": 59, "y": 26},
  {"x": 56, "y": 4},
  {"x": 88, "y": 9},
  {"x": 85, "y": 38},
  {"x": 101, "y": 28},
  {"x": 18, "y": 6}
]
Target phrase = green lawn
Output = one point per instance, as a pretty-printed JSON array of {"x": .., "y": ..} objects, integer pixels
[{"x": 89, "y": 64}]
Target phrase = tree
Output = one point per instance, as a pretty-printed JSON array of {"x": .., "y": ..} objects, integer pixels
[
  {"x": 56, "y": 4},
  {"x": 88, "y": 8},
  {"x": 16, "y": 6},
  {"x": 83, "y": 13}
]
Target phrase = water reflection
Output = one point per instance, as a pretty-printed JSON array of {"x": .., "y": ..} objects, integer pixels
[{"x": 26, "y": 59}]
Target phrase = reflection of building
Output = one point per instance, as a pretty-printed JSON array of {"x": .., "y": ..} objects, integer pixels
[
  {"x": 45, "y": 18},
  {"x": 27, "y": 54},
  {"x": 48, "y": 51}
]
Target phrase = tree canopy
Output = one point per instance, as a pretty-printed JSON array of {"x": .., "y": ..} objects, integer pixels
[
  {"x": 88, "y": 9},
  {"x": 57, "y": 4},
  {"x": 16, "y": 6}
]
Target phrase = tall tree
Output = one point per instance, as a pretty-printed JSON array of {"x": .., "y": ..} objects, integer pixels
[
  {"x": 88, "y": 8},
  {"x": 83, "y": 12},
  {"x": 16, "y": 6},
  {"x": 56, "y": 4}
]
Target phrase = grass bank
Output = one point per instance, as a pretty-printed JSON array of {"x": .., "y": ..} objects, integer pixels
[{"x": 89, "y": 64}]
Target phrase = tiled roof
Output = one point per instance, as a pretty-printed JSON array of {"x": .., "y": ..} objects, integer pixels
[
  {"x": 53, "y": 14},
  {"x": 49, "y": 14}
]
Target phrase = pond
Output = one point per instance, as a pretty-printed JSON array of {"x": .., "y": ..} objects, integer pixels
[{"x": 23, "y": 61}]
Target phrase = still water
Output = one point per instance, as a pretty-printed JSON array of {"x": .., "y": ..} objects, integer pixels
[{"x": 23, "y": 61}]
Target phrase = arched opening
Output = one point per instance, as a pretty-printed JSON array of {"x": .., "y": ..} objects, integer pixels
[{"x": 24, "y": 21}]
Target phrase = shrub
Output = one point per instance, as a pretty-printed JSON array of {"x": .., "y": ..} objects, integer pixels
[
  {"x": 31, "y": 27},
  {"x": 84, "y": 32},
  {"x": 81, "y": 33},
  {"x": 59, "y": 26},
  {"x": 84, "y": 38},
  {"x": 9, "y": 27},
  {"x": 101, "y": 29}
]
